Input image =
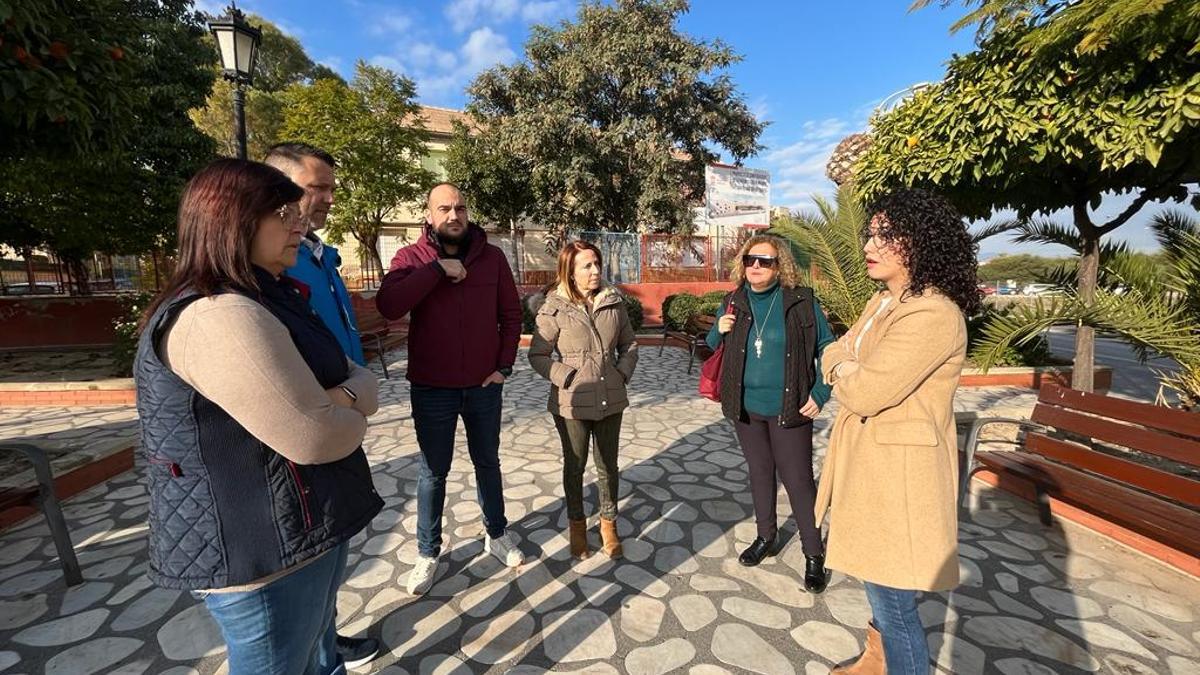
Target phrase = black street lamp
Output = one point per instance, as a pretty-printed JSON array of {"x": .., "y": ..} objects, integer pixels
[{"x": 238, "y": 42}]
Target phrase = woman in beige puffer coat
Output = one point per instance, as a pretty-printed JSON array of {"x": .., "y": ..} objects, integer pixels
[{"x": 585, "y": 322}]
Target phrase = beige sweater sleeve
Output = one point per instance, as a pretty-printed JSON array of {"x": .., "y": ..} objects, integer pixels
[{"x": 238, "y": 355}]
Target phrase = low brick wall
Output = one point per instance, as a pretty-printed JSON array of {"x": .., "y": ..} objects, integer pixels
[
  {"x": 1032, "y": 378},
  {"x": 68, "y": 394},
  {"x": 40, "y": 323}
]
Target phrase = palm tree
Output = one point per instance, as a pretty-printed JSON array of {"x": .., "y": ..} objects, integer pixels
[
  {"x": 1155, "y": 309},
  {"x": 832, "y": 240}
]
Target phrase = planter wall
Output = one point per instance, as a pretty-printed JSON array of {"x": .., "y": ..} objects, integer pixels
[
  {"x": 38, "y": 323},
  {"x": 1031, "y": 378}
]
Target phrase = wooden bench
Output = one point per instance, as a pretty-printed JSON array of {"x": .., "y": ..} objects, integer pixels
[
  {"x": 1132, "y": 463},
  {"x": 42, "y": 495},
  {"x": 693, "y": 336},
  {"x": 372, "y": 327}
]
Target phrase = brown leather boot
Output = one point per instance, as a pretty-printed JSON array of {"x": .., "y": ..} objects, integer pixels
[
  {"x": 871, "y": 661},
  {"x": 579, "y": 542},
  {"x": 608, "y": 535}
]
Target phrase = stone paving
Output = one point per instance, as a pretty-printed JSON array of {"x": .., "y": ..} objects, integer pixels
[{"x": 1034, "y": 600}]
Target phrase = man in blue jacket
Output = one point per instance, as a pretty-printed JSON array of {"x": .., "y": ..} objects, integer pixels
[
  {"x": 317, "y": 264},
  {"x": 317, "y": 267}
]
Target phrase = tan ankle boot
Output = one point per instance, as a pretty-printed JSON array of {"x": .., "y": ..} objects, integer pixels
[
  {"x": 579, "y": 542},
  {"x": 871, "y": 661},
  {"x": 608, "y": 535}
]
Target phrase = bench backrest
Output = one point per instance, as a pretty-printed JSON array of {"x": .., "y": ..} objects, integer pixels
[{"x": 1153, "y": 430}]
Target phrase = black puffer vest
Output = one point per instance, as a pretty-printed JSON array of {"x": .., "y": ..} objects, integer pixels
[
  {"x": 800, "y": 326},
  {"x": 225, "y": 509}
]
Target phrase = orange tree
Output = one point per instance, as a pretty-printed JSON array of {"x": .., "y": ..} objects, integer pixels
[{"x": 1038, "y": 120}]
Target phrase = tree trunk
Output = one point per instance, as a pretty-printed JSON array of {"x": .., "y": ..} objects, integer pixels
[
  {"x": 369, "y": 240},
  {"x": 79, "y": 275},
  {"x": 27, "y": 254},
  {"x": 1083, "y": 371},
  {"x": 516, "y": 254}
]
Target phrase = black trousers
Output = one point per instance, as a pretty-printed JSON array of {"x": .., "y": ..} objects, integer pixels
[
  {"x": 775, "y": 454},
  {"x": 575, "y": 436}
]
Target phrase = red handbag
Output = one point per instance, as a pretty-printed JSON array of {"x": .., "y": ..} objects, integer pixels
[
  {"x": 710, "y": 372},
  {"x": 710, "y": 375}
]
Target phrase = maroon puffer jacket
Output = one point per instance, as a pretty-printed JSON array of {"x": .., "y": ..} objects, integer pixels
[{"x": 460, "y": 333}]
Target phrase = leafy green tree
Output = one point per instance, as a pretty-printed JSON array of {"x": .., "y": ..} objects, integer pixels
[
  {"x": 374, "y": 129},
  {"x": 1020, "y": 267},
  {"x": 282, "y": 62},
  {"x": 65, "y": 68},
  {"x": 1039, "y": 130},
  {"x": 1088, "y": 26},
  {"x": 119, "y": 196},
  {"x": 617, "y": 114}
]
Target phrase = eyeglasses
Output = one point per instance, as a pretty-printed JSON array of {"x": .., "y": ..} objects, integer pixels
[
  {"x": 767, "y": 262},
  {"x": 292, "y": 218}
]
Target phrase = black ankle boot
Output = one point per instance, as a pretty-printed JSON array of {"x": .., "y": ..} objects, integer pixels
[
  {"x": 815, "y": 577},
  {"x": 759, "y": 549}
]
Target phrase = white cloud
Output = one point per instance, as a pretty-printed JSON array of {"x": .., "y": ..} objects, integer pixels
[
  {"x": 466, "y": 13},
  {"x": 541, "y": 11},
  {"x": 797, "y": 165},
  {"x": 212, "y": 7},
  {"x": 390, "y": 22},
  {"x": 442, "y": 74},
  {"x": 484, "y": 49}
]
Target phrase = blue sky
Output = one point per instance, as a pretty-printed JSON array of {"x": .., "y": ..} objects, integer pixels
[{"x": 814, "y": 69}]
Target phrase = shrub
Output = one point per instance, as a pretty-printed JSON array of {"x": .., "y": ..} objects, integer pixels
[
  {"x": 681, "y": 309},
  {"x": 637, "y": 315},
  {"x": 125, "y": 325},
  {"x": 528, "y": 323}
]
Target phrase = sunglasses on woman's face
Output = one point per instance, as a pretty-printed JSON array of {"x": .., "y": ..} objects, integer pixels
[{"x": 764, "y": 261}]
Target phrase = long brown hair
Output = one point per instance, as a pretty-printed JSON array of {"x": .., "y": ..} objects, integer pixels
[
  {"x": 566, "y": 267},
  {"x": 218, "y": 216}
]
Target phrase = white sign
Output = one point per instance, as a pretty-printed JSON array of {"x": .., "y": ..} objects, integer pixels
[{"x": 736, "y": 197}]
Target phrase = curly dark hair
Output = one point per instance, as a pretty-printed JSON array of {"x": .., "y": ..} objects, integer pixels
[{"x": 934, "y": 242}]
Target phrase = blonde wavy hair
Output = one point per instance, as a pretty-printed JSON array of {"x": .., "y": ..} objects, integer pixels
[{"x": 786, "y": 265}]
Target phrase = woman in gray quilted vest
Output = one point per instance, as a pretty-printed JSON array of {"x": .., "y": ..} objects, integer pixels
[
  {"x": 252, "y": 423},
  {"x": 584, "y": 322}
]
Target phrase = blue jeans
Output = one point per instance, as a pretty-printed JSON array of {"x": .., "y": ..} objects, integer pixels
[
  {"x": 435, "y": 414},
  {"x": 285, "y": 627},
  {"x": 895, "y": 614}
]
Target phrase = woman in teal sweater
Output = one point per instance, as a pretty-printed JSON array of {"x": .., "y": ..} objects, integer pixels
[{"x": 771, "y": 389}]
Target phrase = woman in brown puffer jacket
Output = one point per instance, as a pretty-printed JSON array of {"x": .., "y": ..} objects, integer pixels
[{"x": 585, "y": 322}]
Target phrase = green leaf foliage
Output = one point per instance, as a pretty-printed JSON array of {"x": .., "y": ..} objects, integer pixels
[
  {"x": 617, "y": 113},
  {"x": 373, "y": 128},
  {"x": 111, "y": 191}
]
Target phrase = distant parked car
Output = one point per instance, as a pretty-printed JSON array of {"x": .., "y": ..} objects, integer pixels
[
  {"x": 1040, "y": 289},
  {"x": 39, "y": 288},
  {"x": 987, "y": 289},
  {"x": 1006, "y": 290}
]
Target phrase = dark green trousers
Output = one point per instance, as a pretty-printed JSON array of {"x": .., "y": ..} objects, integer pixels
[{"x": 575, "y": 436}]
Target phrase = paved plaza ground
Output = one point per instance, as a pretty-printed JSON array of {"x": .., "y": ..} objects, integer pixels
[{"x": 1033, "y": 600}]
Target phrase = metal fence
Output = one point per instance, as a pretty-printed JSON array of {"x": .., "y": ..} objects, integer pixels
[{"x": 47, "y": 275}]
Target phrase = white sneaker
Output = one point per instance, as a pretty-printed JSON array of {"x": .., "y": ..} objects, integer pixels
[
  {"x": 503, "y": 548},
  {"x": 422, "y": 575}
]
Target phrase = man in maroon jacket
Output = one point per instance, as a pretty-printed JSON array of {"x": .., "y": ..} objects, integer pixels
[{"x": 462, "y": 343}]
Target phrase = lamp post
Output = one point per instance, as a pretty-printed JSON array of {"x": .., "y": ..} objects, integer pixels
[{"x": 238, "y": 42}]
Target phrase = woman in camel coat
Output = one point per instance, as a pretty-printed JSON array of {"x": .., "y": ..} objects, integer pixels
[{"x": 889, "y": 479}]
